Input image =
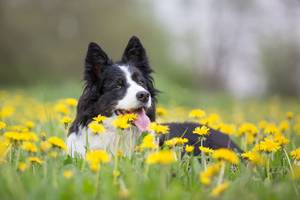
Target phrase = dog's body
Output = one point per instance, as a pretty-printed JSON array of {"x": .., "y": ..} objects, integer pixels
[{"x": 124, "y": 86}]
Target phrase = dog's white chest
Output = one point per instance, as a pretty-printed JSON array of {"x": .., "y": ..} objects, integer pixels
[{"x": 112, "y": 140}]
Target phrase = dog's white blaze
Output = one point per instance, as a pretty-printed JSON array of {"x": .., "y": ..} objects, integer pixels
[
  {"x": 110, "y": 140},
  {"x": 130, "y": 101}
]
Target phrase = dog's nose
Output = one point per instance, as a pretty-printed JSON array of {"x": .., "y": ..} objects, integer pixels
[{"x": 143, "y": 96}]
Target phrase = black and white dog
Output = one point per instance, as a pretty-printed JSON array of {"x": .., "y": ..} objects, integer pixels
[{"x": 125, "y": 86}]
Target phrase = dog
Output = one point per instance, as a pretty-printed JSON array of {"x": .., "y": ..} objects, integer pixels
[{"x": 126, "y": 86}]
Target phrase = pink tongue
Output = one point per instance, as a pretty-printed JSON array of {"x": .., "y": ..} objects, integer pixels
[{"x": 142, "y": 121}]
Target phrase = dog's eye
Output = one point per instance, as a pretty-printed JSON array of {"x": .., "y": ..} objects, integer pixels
[
  {"x": 141, "y": 82},
  {"x": 119, "y": 84}
]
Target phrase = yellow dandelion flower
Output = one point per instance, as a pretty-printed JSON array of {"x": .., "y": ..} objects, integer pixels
[
  {"x": 99, "y": 118},
  {"x": 13, "y": 136},
  {"x": 129, "y": 117},
  {"x": 160, "y": 111},
  {"x": 181, "y": 141},
  {"x": 30, "y": 147},
  {"x": 206, "y": 175},
  {"x": 176, "y": 141},
  {"x": 213, "y": 118},
  {"x": 61, "y": 108},
  {"x": 95, "y": 158},
  {"x": 124, "y": 121},
  {"x": 4, "y": 149},
  {"x": 201, "y": 131},
  {"x": 94, "y": 166},
  {"x": 250, "y": 139},
  {"x": 281, "y": 139},
  {"x": 68, "y": 174},
  {"x": 159, "y": 129},
  {"x": 253, "y": 157},
  {"x": 228, "y": 129},
  {"x": 284, "y": 126},
  {"x": 206, "y": 150},
  {"x": 121, "y": 123},
  {"x": 2, "y": 125},
  {"x": 163, "y": 157},
  {"x": 247, "y": 128},
  {"x": 295, "y": 154},
  {"x": 98, "y": 156},
  {"x": 22, "y": 166},
  {"x": 29, "y": 136},
  {"x": 71, "y": 102},
  {"x": 148, "y": 142},
  {"x": 6, "y": 111},
  {"x": 271, "y": 128},
  {"x": 189, "y": 148},
  {"x": 57, "y": 142},
  {"x": 17, "y": 137},
  {"x": 262, "y": 124},
  {"x": 197, "y": 113},
  {"x": 226, "y": 155},
  {"x": 268, "y": 146},
  {"x": 96, "y": 128},
  {"x": 29, "y": 124},
  {"x": 35, "y": 160},
  {"x": 66, "y": 120},
  {"x": 289, "y": 115},
  {"x": 203, "y": 121},
  {"x": 219, "y": 189},
  {"x": 45, "y": 146}
]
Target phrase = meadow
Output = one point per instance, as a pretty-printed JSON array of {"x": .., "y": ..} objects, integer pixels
[{"x": 34, "y": 163}]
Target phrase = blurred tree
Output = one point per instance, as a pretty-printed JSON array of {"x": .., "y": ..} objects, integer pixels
[
  {"x": 281, "y": 59},
  {"x": 47, "y": 40}
]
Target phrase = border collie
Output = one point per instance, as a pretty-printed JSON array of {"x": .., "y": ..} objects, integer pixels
[{"x": 112, "y": 88}]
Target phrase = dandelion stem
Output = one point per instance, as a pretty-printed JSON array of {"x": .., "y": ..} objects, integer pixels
[
  {"x": 17, "y": 158},
  {"x": 10, "y": 154},
  {"x": 45, "y": 169},
  {"x": 292, "y": 171},
  {"x": 97, "y": 184},
  {"x": 116, "y": 161},
  {"x": 222, "y": 172},
  {"x": 146, "y": 171},
  {"x": 244, "y": 143},
  {"x": 83, "y": 165},
  {"x": 131, "y": 142},
  {"x": 289, "y": 161},
  {"x": 203, "y": 157},
  {"x": 268, "y": 168}
]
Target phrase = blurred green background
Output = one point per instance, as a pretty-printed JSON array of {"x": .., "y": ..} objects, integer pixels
[{"x": 202, "y": 51}]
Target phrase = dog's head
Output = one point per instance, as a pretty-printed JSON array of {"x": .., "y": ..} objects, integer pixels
[{"x": 119, "y": 87}]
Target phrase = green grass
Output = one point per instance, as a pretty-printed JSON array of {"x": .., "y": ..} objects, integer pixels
[{"x": 139, "y": 180}]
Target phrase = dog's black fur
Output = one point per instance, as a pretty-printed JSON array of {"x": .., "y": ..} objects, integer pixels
[
  {"x": 105, "y": 86},
  {"x": 103, "y": 79},
  {"x": 214, "y": 140}
]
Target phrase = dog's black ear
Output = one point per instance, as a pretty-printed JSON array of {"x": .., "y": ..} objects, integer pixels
[
  {"x": 136, "y": 54},
  {"x": 95, "y": 60}
]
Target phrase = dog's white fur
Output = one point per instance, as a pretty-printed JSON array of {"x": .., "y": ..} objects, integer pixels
[
  {"x": 130, "y": 101},
  {"x": 112, "y": 140}
]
